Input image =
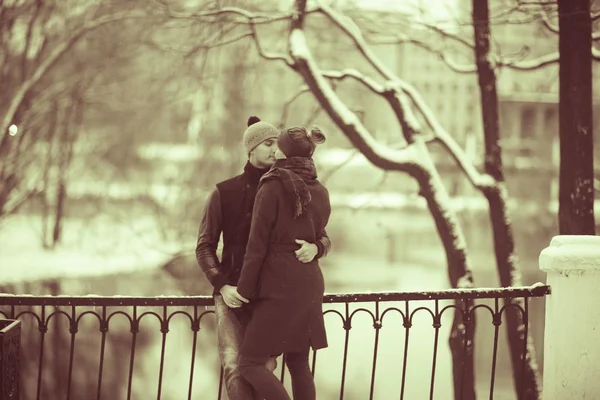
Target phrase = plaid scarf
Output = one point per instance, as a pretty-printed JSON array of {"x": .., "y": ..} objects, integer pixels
[{"x": 294, "y": 172}]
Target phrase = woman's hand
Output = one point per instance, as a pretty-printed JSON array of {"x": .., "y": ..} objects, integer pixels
[
  {"x": 231, "y": 297},
  {"x": 307, "y": 252}
]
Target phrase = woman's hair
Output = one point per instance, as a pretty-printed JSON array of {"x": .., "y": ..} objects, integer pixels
[
  {"x": 316, "y": 135},
  {"x": 303, "y": 142}
]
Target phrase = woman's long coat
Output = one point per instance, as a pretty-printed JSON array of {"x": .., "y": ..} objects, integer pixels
[{"x": 285, "y": 294}]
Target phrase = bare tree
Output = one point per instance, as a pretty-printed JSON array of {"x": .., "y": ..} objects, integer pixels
[
  {"x": 36, "y": 37},
  {"x": 414, "y": 159},
  {"x": 506, "y": 260},
  {"x": 65, "y": 122}
]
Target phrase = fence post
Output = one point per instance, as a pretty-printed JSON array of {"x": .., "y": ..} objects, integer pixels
[
  {"x": 10, "y": 352},
  {"x": 572, "y": 328}
]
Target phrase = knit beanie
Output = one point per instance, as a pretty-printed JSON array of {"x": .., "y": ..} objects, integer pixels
[{"x": 257, "y": 132}]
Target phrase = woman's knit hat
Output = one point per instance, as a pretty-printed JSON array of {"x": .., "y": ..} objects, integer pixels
[{"x": 257, "y": 132}]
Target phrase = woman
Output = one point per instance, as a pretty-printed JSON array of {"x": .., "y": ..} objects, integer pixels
[{"x": 285, "y": 294}]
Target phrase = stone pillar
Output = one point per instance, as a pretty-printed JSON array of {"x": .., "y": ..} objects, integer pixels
[{"x": 572, "y": 328}]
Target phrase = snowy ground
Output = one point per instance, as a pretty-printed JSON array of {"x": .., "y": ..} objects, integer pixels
[{"x": 90, "y": 247}]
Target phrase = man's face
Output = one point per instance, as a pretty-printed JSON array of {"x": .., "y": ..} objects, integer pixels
[
  {"x": 263, "y": 155},
  {"x": 279, "y": 154}
]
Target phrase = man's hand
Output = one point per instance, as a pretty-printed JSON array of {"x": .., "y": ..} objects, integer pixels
[
  {"x": 271, "y": 364},
  {"x": 307, "y": 252},
  {"x": 231, "y": 297}
]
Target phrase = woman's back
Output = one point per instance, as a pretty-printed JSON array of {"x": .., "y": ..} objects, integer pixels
[
  {"x": 285, "y": 289},
  {"x": 309, "y": 225}
]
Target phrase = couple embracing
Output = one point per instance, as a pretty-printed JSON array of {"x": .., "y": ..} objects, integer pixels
[{"x": 268, "y": 286}]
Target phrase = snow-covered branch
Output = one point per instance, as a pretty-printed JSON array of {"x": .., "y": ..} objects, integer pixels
[
  {"x": 547, "y": 23},
  {"x": 476, "y": 178},
  {"x": 349, "y": 27},
  {"x": 248, "y": 17},
  {"x": 380, "y": 155},
  {"x": 448, "y": 35},
  {"x": 542, "y": 61},
  {"x": 394, "y": 97},
  {"x": 255, "y": 17},
  {"x": 268, "y": 55},
  {"x": 366, "y": 81},
  {"x": 536, "y": 3}
]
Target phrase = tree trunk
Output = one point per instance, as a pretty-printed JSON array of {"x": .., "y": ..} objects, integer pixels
[
  {"x": 7, "y": 185},
  {"x": 47, "y": 177},
  {"x": 525, "y": 374},
  {"x": 462, "y": 334},
  {"x": 70, "y": 123},
  {"x": 576, "y": 176},
  {"x": 59, "y": 212}
]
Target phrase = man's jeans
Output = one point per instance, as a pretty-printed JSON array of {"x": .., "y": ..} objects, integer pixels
[{"x": 230, "y": 333}]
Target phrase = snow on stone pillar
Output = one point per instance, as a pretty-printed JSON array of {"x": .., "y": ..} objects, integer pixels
[{"x": 572, "y": 330}]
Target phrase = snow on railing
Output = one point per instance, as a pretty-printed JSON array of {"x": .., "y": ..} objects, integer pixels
[{"x": 116, "y": 346}]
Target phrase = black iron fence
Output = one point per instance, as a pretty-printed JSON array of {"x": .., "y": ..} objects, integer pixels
[{"x": 97, "y": 347}]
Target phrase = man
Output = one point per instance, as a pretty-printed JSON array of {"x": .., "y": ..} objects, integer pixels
[{"x": 228, "y": 210}]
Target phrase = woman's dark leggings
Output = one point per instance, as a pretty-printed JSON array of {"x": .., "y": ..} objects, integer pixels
[{"x": 267, "y": 384}]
